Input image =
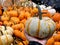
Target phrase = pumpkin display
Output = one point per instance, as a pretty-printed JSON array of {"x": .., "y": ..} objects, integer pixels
[
  {"x": 40, "y": 27},
  {"x": 6, "y": 40},
  {"x": 56, "y": 17},
  {"x": 6, "y": 30}
]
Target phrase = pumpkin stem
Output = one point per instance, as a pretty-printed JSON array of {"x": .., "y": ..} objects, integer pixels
[{"x": 39, "y": 12}]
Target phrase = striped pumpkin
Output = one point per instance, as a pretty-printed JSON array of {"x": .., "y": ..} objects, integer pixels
[
  {"x": 6, "y": 30},
  {"x": 6, "y": 40},
  {"x": 40, "y": 27}
]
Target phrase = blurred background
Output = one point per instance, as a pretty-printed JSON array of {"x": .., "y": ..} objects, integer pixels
[{"x": 54, "y": 3}]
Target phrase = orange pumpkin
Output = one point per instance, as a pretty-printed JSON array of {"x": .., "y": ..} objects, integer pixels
[
  {"x": 13, "y": 13},
  {"x": 8, "y": 23},
  {"x": 15, "y": 20},
  {"x": 46, "y": 13},
  {"x": 5, "y": 18},
  {"x": 23, "y": 21},
  {"x": 56, "y": 43},
  {"x": 0, "y": 12},
  {"x": 20, "y": 34},
  {"x": 58, "y": 26},
  {"x": 18, "y": 26},
  {"x": 57, "y": 37},
  {"x": 50, "y": 41},
  {"x": 27, "y": 15},
  {"x": 56, "y": 17},
  {"x": 21, "y": 16}
]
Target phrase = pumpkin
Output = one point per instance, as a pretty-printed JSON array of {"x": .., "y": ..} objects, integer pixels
[
  {"x": 58, "y": 26},
  {"x": 40, "y": 27},
  {"x": 46, "y": 13},
  {"x": 15, "y": 20},
  {"x": 8, "y": 23},
  {"x": 56, "y": 43},
  {"x": 6, "y": 40},
  {"x": 6, "y": 30},
  {"x": 57, "y": 37},
  {"x": 4, "y": 18},
  {"x": 52, "y": 11},
  {"x": 21, "y": 16},
  {"x": 18, "y": 26},
  {"x": 19, "y": 34},
  {"x": 50, "y": 41},
  {"x": 13, "y": 13},
  {"x": 1, "y": 23},
  {"x": 0, "y": 12},
  {"x": 56, "y": 17}
]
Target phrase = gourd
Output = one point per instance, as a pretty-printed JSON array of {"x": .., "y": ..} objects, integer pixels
[
  {"x": 6, "y": 30},
  {"x": 6, "y": 40},
  {"x": 40, "y": 27},
  {"x": 56, "y": 17}
]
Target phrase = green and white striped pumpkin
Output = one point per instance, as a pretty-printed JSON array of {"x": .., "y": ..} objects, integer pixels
[{"x": 40, "y": 28}]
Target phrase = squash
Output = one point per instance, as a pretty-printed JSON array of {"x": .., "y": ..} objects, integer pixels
[
  {"x": 6, "y": 30},
  {"x": 0, "y": 12},
  {"x": 15, "y": 20},
  {"x": 50, "y": 41},
  {"x": 56, "y": 43},
  {"x": 13, "y": 13},
  {"x": 56, "y": 17},
  {"x": 46, "y": 13},
  {"x": 41, "y": 27},
  {"x": 19, "y": 34},
  {"x": 6, "y": 40},
  {"x": 4, "y": 18}
]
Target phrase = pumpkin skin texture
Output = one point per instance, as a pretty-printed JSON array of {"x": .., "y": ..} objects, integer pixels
[
  {"x": 6, "y": 40},
  {"x": 40, "y": 28}
]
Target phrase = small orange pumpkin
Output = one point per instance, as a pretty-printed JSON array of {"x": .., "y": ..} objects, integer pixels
[
  {"x": 57, "y": 37},
  {"x": 56, "y": 17},
  {"x": 20, "y": 34},
  {"x": 21, "y": 16},
  {"x": 13, "y": 13},
  {"x": 50, "y": 41},
  {"x": 4, "y": 18},
  {"x": 46, "y": 13},
  {"x": 15, "y": 20},
  {"x": 56, "y": 43},
  {"x": 0, "y": 12}
]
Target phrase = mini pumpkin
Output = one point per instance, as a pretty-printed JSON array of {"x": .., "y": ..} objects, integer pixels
[
  {"x": 40, "y": 27},
  {"x": 50, "y": 41},
  {"x": 56, "y": 17},
  {"x": 0, "y": 12},
  {"x": 6, "y": 30},
  {"x": 13, "y": 13},
  {"x": 46, "y": 13},
  {"x": 20, "y": 34},
  {"x": 56, "y": 43},
  {"x": 6, "y": 40},
  {"x": 4, "y": 18},
  {"x": 15, "y": 20}
]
